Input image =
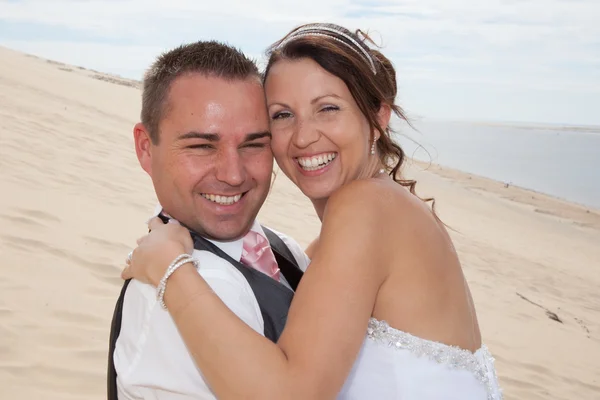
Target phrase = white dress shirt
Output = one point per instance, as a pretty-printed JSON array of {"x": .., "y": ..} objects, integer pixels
[{"x": 151, "y": 359}]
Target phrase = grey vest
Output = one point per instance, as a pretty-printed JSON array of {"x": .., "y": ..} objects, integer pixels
[{"x": 273, "y": 297}]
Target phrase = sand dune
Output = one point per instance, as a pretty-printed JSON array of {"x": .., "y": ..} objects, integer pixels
[{"x": 74, "y": 200}]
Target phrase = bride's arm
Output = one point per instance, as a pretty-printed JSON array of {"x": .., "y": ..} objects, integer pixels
[
  {"x": 312, "y": 247},
  {"x": 327, "y": 321}
]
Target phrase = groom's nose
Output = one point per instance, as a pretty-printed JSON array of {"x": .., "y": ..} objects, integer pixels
[{"x": 230, "y": 168}]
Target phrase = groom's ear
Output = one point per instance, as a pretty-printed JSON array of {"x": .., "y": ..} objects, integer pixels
[{"x": 143, "y": 147}]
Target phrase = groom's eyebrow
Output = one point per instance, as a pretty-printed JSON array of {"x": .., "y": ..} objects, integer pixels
[
  {"x": 257, "y": 135},
  {"x": 211, "y": 137}
]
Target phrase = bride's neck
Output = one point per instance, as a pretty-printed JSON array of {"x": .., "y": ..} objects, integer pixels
[{"x": 319, "y": 205}]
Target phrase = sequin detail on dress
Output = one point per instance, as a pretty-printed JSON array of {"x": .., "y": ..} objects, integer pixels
[{"x": 452, "y": 356}]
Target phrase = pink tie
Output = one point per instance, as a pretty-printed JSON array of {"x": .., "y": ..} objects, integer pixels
[{"x": 257, "y": 253}]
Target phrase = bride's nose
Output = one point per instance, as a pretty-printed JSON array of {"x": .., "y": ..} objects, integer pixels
[{"x": 306, "y": 133}]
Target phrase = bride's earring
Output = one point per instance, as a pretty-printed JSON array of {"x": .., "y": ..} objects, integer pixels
[{"x": 373, "y": 147}]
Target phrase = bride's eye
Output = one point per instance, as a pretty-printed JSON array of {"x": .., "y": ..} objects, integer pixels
[
  {"x": 281, "y": 115},
  {"x": 330, "y": 108}
]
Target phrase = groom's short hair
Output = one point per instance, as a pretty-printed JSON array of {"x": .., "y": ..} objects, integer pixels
[{"x": 210, "y": 58}]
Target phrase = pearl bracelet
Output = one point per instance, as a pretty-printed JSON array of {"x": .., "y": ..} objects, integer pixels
[{"x": 177, "y": 262}]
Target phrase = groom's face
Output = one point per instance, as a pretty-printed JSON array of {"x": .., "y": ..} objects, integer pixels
[{"x": 212, "y": 166}]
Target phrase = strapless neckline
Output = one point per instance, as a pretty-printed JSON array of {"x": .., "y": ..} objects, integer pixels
[{"x": 480, "y": 363}]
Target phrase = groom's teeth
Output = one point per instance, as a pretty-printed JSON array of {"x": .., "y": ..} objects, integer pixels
[
  {"x": 222, "y": 200},
  {"x": 316, "y": 162}
]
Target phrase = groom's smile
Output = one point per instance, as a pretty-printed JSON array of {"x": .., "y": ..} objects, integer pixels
[{"x": 223, "y": 200}]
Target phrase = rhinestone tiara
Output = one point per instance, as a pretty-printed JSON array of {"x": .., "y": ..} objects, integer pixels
[{"x": 325, "y": 31}]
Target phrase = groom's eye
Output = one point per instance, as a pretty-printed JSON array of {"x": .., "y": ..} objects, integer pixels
[
  {"x": 256, "y": 145},
  {"x": 203, "y": 146}
]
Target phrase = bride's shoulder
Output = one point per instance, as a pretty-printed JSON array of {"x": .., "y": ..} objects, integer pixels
[
  {"x": 361, "y": 204},
  {"x": 376, "y": 205},
  {"x": 370, "y": 197},
  {"x": 354, "y": 219}
]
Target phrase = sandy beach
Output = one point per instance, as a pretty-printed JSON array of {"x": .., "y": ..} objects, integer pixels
[{"x": 74, "y": 200}]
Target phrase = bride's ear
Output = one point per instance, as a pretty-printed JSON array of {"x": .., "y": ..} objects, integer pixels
[{"x": 383, "y": 115}]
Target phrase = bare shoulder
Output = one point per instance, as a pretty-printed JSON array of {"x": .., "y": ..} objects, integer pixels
[
  {"x": 371, "y": 201},
  {"x": 382, "y": 208},
  {"x": 360, "y": 196}
]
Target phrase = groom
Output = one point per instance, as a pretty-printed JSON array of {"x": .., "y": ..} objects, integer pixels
[{"x": 204, "y": 140}]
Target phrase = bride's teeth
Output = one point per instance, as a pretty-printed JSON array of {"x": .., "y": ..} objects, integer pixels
[{"x": 316, "y": 162}]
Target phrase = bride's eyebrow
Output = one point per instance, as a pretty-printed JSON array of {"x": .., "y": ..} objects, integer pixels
[
  {"x": 278, "y": 104},
  {"x": 313, "y": 101}
]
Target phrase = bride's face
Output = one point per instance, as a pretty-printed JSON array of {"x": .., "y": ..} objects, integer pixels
[{"x": 321, "y": 139}]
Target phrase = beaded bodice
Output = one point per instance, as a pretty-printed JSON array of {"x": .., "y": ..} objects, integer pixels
[{"x": 480, "y": 363}]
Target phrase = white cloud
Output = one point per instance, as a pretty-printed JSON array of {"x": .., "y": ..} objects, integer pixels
[{"x": 507, "y": 49}]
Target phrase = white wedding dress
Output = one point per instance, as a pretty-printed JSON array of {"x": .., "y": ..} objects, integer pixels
[{"x": 396, "y": 365}]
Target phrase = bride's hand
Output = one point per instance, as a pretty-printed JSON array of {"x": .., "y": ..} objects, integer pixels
[{"x": 155, "y": 251}]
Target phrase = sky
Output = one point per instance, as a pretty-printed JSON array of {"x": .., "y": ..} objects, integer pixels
[{"x": 466, "y": 60}]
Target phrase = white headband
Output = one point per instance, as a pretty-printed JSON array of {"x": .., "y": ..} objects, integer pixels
[{"x": 314, "y": 31}]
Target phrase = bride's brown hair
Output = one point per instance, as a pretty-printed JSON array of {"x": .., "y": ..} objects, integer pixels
[{"x": 369, "y": 75}]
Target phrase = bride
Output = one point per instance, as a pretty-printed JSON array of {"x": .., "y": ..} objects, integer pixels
[{"x": 384, "y": 311}]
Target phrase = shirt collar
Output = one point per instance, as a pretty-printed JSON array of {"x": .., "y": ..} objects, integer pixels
[{"x": 234, "y": 248}]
